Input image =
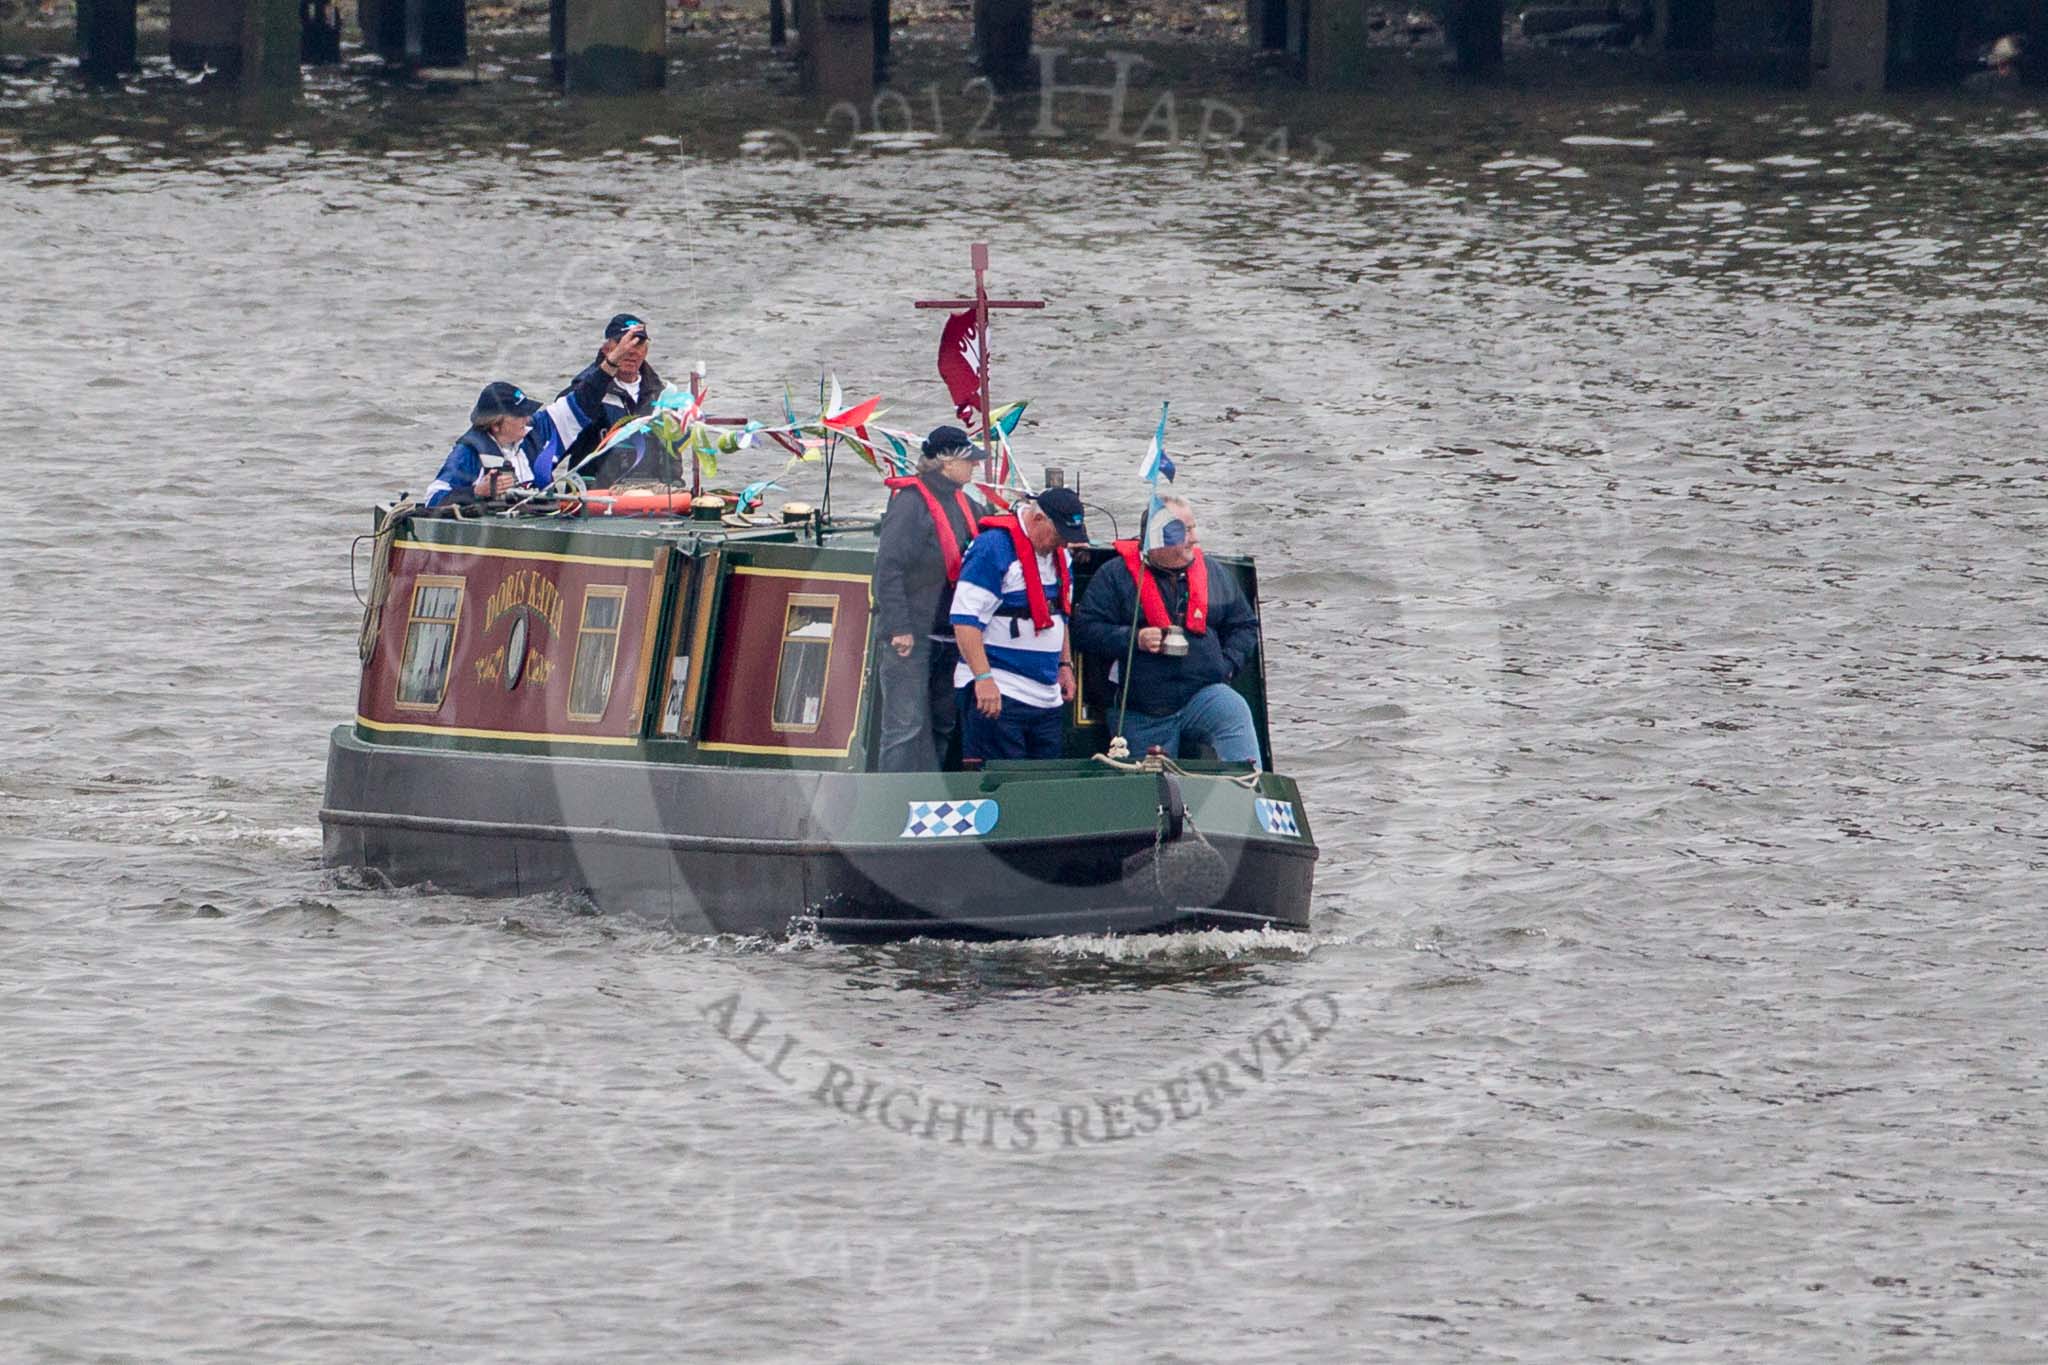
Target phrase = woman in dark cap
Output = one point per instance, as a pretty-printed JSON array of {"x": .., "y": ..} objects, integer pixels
[
  {"x": 513, "y": 441},
  {"x": 926, "y": 530}
]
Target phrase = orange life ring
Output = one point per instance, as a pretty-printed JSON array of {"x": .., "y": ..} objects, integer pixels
[{"x": 633, "y": 502}]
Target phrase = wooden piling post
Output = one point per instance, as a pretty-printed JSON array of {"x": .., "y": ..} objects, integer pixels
[
  {"x": 270, "y": 44},
  {"x": 613, "y": 47},
  {"x": 1473, "y": 29},
  {"x": 319, "y": 33},
  {"x": 1747, "y": 31},
  {"x": 436, "y": 33},
  {"x": 837, "y": 50},
  {"x": 1851, "y": 44},
  {"x": 106, "y": 38},
  {"x": 1297, "y": 40},
  {"x": 1336, "y": 43},
  {"x": 1265, "y": 23},
  {"x": 1002, "y": 36},
  {"x": 422, "y": 32},
  {"x": 1683, "y": 26},
  {"x": 207, "y": 33}
]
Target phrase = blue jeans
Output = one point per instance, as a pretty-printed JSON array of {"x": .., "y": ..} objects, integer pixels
[
  {"x": 1019, "y": 732},
  {"x": 1216, "y": 716}
]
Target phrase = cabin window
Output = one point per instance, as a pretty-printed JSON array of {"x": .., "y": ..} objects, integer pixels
[
  {"x": 597, "y": 653},
  {"x": 429, "y": 642},
  {"x": 806, "y": 656}
]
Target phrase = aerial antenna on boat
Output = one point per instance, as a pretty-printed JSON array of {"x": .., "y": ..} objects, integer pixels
[
  {"x": 831, "y": 445},
  {"x": 696, "y": 466},
  {"x": 974, "y": 343}
]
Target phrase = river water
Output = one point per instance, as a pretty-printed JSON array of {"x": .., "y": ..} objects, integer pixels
[{"x": 1645, "y": 482}]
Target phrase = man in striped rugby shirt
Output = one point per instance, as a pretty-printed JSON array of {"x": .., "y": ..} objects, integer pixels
[{"x": 1010, "y": 612}]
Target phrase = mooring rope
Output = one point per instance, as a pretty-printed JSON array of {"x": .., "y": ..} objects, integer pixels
[
  {"x": 380, "y": 578},
  {"x": 1161, "y": 763}
]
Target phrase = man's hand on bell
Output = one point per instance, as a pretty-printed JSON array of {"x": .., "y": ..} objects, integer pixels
[
  {"x": 901, "y": 644},
  {"x": 1151, "y": 639}
]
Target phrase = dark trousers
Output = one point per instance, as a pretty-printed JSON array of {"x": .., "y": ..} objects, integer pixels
[
  {"x": 1019, "y": 732},
  {"x": 918, "y": 712}
]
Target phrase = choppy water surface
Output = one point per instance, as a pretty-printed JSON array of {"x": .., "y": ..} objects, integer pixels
[{"x": 1646, "y": 490}]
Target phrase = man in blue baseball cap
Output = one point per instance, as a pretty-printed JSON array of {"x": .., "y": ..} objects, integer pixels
[
  {"x": 1009, "y": 618},
  {"x": 513, "y": 441},
  {"x": 629, "y": 386}
]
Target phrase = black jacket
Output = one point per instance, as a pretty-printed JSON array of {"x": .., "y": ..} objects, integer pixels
[
  {"x": 629, "y": 459},
  {"x": 912, "y": 595},
  {"x": 1161, "y": 685}
]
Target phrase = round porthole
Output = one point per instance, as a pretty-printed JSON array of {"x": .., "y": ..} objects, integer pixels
[{"x": 515, "y": 652}]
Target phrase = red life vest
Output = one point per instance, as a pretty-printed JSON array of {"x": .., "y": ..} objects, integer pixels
[
  {"x": 1155, "y": 605},
  {"x": 1027, "y": 563},
  {"x": 949, "y": 544}
]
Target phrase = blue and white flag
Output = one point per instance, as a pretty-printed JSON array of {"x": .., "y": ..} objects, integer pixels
[
  {"x": 1157, "y": 465},
  {"x": 1160, "y": 524}
]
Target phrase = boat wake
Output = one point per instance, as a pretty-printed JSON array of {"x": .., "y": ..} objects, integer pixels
[
  {"x": 1195, "y": 947},
  {"x": 1174, "y": 953},
  {"x": 141, "y": 813}
]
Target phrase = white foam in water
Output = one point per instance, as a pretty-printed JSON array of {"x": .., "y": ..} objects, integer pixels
[
  {"x": 127, "y": 819},
  {"x": 1207, "y": 944},
  {"x": 1202, "y": 944}
]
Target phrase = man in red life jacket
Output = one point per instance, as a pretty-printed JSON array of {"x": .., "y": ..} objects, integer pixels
[
  {"x": 1176, "y": 700},
  {"x": 1010, "y": 613},
  {"x": 924, "y": 535}
]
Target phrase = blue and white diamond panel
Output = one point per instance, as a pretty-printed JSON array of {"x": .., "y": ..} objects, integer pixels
[
  {"x": 950, "y": 819},
  {"x": 1277, "y": 817}
]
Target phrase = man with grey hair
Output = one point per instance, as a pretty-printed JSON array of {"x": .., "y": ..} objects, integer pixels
[
  {"x": 923, "y": 537},
  {"x": 1195, "y": 633}
]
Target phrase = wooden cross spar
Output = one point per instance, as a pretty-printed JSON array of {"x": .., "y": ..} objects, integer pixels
[{"x": 981, "y": 303}]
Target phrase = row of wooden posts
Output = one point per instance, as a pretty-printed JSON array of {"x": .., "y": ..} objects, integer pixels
[{"x": 843, "y": 45}]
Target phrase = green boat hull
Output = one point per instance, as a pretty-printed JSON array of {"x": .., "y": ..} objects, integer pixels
[{"x": 1018, "y": 850}]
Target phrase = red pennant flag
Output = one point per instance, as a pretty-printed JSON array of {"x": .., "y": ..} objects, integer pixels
[
  {"x": 960, "y": 363},
  {"x": 854, "y": 417}
]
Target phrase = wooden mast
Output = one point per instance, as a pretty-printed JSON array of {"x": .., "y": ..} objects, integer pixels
[{"x": 981, "y": 303}]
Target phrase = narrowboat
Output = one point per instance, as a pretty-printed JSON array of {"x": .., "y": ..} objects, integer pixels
[{"x": 677, "y": 718}]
